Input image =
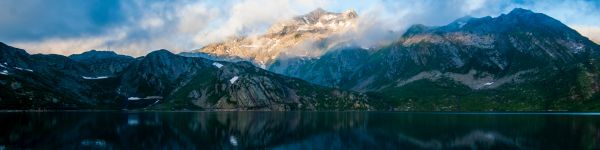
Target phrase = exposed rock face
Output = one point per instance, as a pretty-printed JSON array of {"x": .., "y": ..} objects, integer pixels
[{"x": 302, "y": 36}]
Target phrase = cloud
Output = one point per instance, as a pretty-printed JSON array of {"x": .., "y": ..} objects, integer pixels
[
  {"x": 253, "y": 17},
  {"x": 150, "y": 25},
  {"x": 39, "y": 19},
  {"x": 136, "y": 27}
]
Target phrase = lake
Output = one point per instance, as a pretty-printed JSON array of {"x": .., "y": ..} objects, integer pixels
[{"x": 297, "y": 130}]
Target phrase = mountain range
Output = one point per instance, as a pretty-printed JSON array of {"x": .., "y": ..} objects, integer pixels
[{"x": 519, "y": 61}]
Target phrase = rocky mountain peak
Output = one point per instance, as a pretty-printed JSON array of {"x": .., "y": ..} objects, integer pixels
[
  {"x": 520, "y": 11},
  {"x": 160, "y": 52},
  {"x": 290, "y": 37},
  {"x": 96, "y": 54},
  {"x": 350, "y": 13}
]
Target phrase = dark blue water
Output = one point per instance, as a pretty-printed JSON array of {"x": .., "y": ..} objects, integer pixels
[{"x": 296, "y": 130}]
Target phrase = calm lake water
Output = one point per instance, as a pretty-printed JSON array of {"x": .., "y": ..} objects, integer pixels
[{"x": 296, "y": 130}]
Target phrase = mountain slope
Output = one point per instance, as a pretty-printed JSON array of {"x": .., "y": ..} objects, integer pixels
[
  {"x": 327, "y": 70},
  {"x": 499, "y": 47},
  {"x": 160, "y": 80},
  {"x": 491, "y": 63},
  {"x": 199, "y": 83},
  {"x": 45, "y": 81},
  {"x": 502, "y": 63}
]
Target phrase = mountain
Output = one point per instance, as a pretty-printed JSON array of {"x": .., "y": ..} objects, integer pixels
[
  {"x": 327, "y": 70},
  {"x": 196, "y": 82},
  {"x": 44, "y": 81},
  {"x": 159, "y": 80},
  {"x": 517, "y": 61},
  {"x": 503, "y": 46},
  {"x": 306, "y": 35},
  {"x": 103, "y": 63}
]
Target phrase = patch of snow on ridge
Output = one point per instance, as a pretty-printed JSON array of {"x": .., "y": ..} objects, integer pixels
[
  {"x": 218, "y": 65},
  {"x": 94, "y": 78},
  {"x": 147, "y": 97},
  {"x": 4, "y": 72},
  {"x": 133, "y": 98},
  {"x": 232, "y": 80},
  {"x": 489, "y": 83},
  {"x": 329, "y": 17},
  {"x": 18, "y": 68}
]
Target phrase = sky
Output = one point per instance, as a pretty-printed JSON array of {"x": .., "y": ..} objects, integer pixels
[{"x": 137, "y": 27}]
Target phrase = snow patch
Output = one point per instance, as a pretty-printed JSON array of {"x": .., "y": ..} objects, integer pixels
[
  {"x": 232, "y": 80},
  {"x": 489, "y": 83},
  {"x": 218, "y": 65},
  {"x": 94, "y": 78},
  {"x": 133, "y": 98},
  {"x": 303, "y": 29},
  {"x": 2, "y": 66},
  {"x": 329, "y": 17},
  {"x": 157, "y": 100},
  {"x": 18, "y": 68},
  {"x": 147, "y": 97},
  {"x": 4, "y": 72}
]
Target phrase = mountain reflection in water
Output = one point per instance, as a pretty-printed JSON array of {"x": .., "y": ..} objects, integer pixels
[{"x": 295, "y": 130}]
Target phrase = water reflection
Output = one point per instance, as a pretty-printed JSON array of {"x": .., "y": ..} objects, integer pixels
[{"x": 295, "y": 130}]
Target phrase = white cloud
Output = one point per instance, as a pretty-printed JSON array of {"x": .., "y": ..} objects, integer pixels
[{"x": 187, "y": 25}]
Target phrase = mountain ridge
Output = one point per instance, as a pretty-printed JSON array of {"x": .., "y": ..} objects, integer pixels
[{"x": 160, "y": 80}]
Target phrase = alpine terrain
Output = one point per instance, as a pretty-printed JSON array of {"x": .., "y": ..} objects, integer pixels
[
  {"x": 159, "y": 80},
  {"x": 519, "y": 61}
]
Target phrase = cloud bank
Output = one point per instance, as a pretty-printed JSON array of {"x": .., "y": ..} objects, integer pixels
[{"x": 137, "y": 27}]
